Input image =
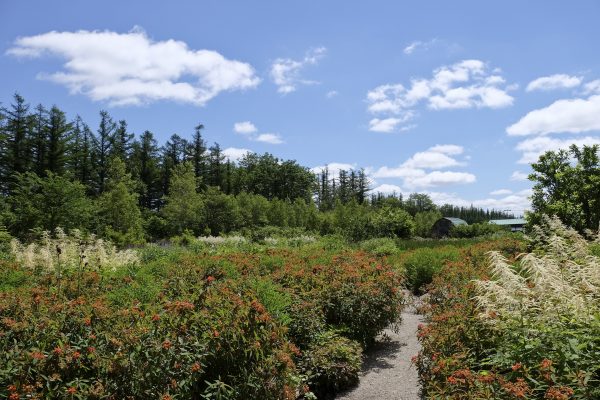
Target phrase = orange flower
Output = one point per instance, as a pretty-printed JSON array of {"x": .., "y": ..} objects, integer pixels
[
  {"x": 196, "y": 367},
  {"x": 517, "y": 366},
  {"x": 72, "y": 390},
  {"x": 155, "y": 317},
  {"x": 210, "y": 279},
  {"x": 545, "y": 364},
  {"x": 166, "y": 344}
]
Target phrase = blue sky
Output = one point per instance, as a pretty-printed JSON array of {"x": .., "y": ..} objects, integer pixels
[{"x": 449, "y": 98}]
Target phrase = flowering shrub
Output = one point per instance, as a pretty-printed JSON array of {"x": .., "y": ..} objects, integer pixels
[
  {"x": 503, "y": 324},
  {"x": 182, "y": 323}
]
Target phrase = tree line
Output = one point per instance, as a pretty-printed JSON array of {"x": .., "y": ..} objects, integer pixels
[{"x": 60, "y": 172}]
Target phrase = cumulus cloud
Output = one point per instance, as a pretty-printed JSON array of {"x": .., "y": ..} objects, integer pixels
[
  {"x": 533, "y": 148},
  {"x": 245, "y": 128},
  {"x": 249, "y": 130},
  {"x": 565, "y": 115},
  {"x": 552, "y": 82},
  {"x": 285, "y": 72},
  {"x": 235, "y": 154},
  {"x": 519, "y": 176},
  {"x": 592, "y": 87},
  {"x": 386, "y": 188},
  {"x": 419, "y": 45},
  {"x": 272, "y": 138},
  {"x": 132, "y": 69},
  {"x": 334, "y": 168},
  {"x": 386, "y": 125},
  {"x": 500, "y": 192},
  {"x": 414, "y": 172},
  {"x": 466, "y": 84},
  {"x": 516, "y": 203}
]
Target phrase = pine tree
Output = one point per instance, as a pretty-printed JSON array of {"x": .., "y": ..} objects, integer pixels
[
  {"x": 15, "y": 155},
  {"x": 120, "y": 216},
  {"x": 39, "y": 136},
  {"x": 102, "y": 149},
  {"x": 145, "y": 162},
  {"x": 198, "y": 154},
  {"x": 215, "y": 165},
  {"x": 122, "y": 143},
  {"x": 59, "y": 135}
]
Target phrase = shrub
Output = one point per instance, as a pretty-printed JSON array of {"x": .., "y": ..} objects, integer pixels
[
  {"x": 421, "y": 265},
  {"x": 379, "y": 246},
  {"x": 331, "y": 364}
]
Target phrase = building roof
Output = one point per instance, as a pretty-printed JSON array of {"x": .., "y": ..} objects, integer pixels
[
  {"x": 456, "y": 221},
  {"x": 513, "y": 221}
]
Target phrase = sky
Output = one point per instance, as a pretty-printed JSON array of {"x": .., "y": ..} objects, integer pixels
[{"x": 454, "y": 99}]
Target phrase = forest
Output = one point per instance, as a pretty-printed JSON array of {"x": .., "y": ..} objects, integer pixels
[{"x": 60, "y": 172}]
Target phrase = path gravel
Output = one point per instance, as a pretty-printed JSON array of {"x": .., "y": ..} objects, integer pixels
[{"x": 387, "y": 372}]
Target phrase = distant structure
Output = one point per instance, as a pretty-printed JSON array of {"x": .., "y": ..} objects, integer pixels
[
  {"x": 515, "y": 224},
  {"x": 442, "y": 226}
]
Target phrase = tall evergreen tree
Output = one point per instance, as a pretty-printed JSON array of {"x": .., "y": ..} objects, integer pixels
[
  {"x": 15, "y": 155},
  {"x": 39, "y": 136},
  {"x": 102, "y": 149},
  {"x": 145, "y": 161},
  {"x": 216, "y": 160},
  {"x": 122, "y": 142},
  {"x": 59, "y": 135},
  {"x": 198, "y": 153}
]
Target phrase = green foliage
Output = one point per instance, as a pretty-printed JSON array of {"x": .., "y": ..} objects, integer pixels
[
  {"x": 331, "y": 364},
  {"x": 379, "y": 246},
  {"x": 391, "y": 222},
  {"x": 421, "y": 265},
  {"x": 184, "y": 208},
  {"x": 119, "y": 215},
  {"x": 476, "y": 230},
  {"x": 424, "y": 221},
  {"x": 45, "y": 203},
  {"x": 571, "y": 192},
  {"x": 221, "y": 322}
]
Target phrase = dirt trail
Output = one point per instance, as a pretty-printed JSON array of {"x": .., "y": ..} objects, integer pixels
[{"x": 387, "y": 371}]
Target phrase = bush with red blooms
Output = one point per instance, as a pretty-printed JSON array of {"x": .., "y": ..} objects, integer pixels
[
  {"x": 189, "y": 324},
  {"x": 468, "y": 355}
]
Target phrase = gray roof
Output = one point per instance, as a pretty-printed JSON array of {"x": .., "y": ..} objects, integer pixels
[
  {"x": 513, "y": 221},
  {"x": 456, "y": 221}
]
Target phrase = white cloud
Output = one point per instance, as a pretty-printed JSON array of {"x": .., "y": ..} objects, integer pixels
[
  {"x": 431, "y": 159},
  {"x": 592, "y": 87},
  {"x": 245, "y": 128},
  {"x": 387, "y": 189},
  {"x": 419, "y": 45},
  {"x": 235, "y": 154},
  {"x": 519, "y": 176},
  {"x": 533, "y": 148},
  {"x": 331, "y": 94},
  {"x": 450, "y": 149},
  {"x": 334, "y": 168},
  {"x": 272, "y": 138},
  {"x": 466, "y": 84},
  {"x": 413, "y": 170},
  {"x": 501, "y": 192},
  {"x": 440, "y": 178},
  {"x": 131, "y": 69},
  {"x": 386, "y": 125},
  {"x": 285, "y": 72},
  {"x": 516, "y": 203},
  {"x": 557, "y": 81},
  {"x": 566, "y": 115}
]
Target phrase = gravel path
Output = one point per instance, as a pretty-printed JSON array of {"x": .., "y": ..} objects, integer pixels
[{"x": 387, "y": 371}]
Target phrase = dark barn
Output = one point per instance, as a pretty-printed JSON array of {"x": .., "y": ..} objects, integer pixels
[{"x": 442, "y": 226}]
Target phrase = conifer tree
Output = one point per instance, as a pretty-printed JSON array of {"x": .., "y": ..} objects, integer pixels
[
  {"x": 145, "y": 164},
  {"x": 59, "y": 134},
  {"x": 15, "y": 154},
  {"x": 102, "y": 149},
  {"x": 118, "y": 211}
]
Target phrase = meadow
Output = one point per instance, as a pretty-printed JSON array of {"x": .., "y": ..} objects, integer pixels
[{"x": 290, "y": 317}]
